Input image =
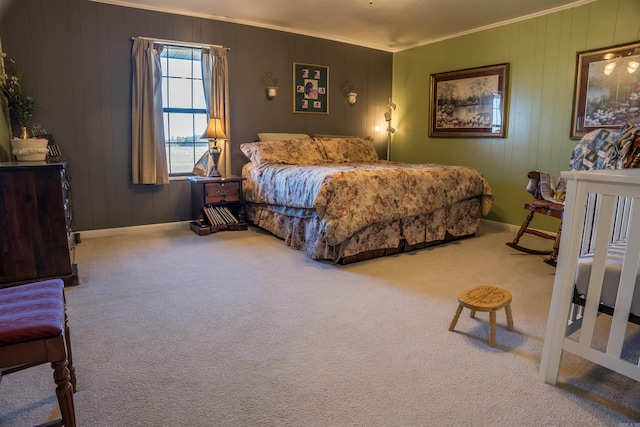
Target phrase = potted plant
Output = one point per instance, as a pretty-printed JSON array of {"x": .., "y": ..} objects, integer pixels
[{"x": 21, "y": 106}]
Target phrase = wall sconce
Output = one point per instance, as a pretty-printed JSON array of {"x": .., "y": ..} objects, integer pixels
[
  {"x": 349, "y": 92},
  {"x": 271, "y": 84}
]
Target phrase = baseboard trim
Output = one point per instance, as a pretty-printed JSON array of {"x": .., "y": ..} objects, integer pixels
[
  {"x": 501, "y": 226},
  {"x": 184, "y": 225},
  {"x": 136, "y": 229}
]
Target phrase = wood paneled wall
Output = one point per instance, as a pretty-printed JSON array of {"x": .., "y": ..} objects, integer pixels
[
  {"x": 542, "y": 54},
  {"x": 76, "y": 58}
]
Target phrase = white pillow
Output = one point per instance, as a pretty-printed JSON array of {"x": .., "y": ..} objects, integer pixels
[{"x": 267, "y": 136}]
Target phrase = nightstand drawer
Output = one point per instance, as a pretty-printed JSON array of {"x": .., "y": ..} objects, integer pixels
[{"x": 217, "y": 192}]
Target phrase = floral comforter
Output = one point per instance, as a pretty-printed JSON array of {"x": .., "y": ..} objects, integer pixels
[{"x": 345, "y": 198}]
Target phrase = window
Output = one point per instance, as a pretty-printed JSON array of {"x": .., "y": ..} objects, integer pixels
[{"x": 184, "y": 108}]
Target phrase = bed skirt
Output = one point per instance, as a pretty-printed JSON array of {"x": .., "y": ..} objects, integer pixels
[{"x": 305, "y": 232}]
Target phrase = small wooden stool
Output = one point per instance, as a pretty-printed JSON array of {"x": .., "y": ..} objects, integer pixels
[{"x": 485, "y": 298}]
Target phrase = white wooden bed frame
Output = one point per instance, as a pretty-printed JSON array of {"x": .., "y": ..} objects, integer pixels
[{"x": 602, "y": 207}]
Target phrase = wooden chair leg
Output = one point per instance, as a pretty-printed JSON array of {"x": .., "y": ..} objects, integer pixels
[
  {"x": 64, "y": 391},
  {"x": 523, "y": 228},
  {"x": 67, "y": 340},
  {"x": 553, "y": 258}
]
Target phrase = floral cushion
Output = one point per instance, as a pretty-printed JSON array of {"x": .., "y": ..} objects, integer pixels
[
  {"x": 289, "y": 151},
  {"x": 343, "y": 150}
]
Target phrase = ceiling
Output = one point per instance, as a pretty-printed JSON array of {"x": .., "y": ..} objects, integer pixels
[{"x": 389, "y": 25}]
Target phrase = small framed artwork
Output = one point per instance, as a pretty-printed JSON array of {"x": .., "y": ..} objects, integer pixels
[
  {"x": 310, "y": 88},
  {"x": 607, "y": 89},
  {"x": 469, "y": 103}
]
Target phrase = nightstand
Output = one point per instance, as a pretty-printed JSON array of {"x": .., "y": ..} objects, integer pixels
[{"x": 216, "y": 204}]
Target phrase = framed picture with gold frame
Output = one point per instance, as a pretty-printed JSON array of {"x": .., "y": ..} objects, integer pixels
[
  {"x": 607, "y": 88},
  {"x": 469, "y": 103},
  {"x": 310, "y": 88}
]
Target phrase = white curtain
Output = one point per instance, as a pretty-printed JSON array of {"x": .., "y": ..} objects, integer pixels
[
  {"x": 148, "y": 155},
  {"x": 215, "y": 74}
]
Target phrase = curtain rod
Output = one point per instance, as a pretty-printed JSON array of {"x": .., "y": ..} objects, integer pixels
[{"x": 179, "y": 43}]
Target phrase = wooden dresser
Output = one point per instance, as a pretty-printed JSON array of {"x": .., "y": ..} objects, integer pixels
[{"x": 36, "y": 240}]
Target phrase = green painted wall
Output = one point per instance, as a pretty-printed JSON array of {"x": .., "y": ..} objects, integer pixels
[{"x": 542, "y": 56}]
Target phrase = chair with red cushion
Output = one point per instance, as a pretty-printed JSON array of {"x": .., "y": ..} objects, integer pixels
[{"x": 33, "y": 331}]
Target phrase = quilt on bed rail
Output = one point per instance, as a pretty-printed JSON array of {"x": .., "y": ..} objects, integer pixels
[{"x": 347, "y": 197}]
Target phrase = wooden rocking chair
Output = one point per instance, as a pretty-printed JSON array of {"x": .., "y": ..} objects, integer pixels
[{"x": 541, "y": 206}]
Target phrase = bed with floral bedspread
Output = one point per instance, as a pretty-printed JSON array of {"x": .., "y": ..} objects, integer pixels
[{"x": 334, "y": 199}]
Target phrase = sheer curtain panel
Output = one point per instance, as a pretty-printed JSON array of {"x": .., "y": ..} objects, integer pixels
[
  {"x": 148, "y": 155},
  {"x": 215, "y": 72}
]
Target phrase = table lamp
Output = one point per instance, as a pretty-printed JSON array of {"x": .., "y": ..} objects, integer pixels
[{"x": 214, "y": 132}]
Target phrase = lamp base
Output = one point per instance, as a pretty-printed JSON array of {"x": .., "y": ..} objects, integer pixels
[
  {"x": 214, "y": 157},
  {"x": 207, "y": 165}
]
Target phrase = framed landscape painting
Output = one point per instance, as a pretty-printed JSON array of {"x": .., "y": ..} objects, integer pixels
[
  {"x": 310, "y": 88},
  {"x": 469, "y": 103},
  {"x": 607, "y": 89}
]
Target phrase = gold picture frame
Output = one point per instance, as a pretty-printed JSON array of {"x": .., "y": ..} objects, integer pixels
[
  {"x": 469, "y": 103},
  {"x": 607, "y": 88}
]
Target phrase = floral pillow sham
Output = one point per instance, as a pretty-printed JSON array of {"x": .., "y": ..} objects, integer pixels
[
  {"x": 347, "y": 150},
  {"x": 306, "y": 151},
  {"x": 288, "y": 151}
]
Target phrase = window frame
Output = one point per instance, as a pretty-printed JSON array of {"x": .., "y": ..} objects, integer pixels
[{"x": 168, "y": 110}]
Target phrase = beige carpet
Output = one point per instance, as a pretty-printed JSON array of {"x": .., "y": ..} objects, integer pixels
[{"x": 237, "y": 329}]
